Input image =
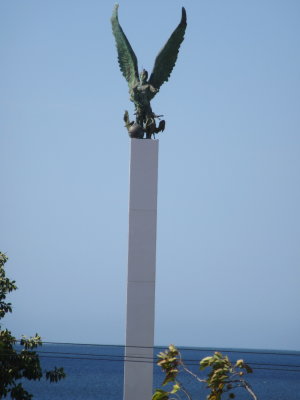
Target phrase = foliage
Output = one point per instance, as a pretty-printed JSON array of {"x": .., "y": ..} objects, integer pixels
[
  {"x": 17, "y": 365},
  {"x": 223, "y": 376}
]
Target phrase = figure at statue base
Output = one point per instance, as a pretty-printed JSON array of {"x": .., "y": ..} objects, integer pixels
[
  {"x": 141, "y": 89},
  {"x": 139, "y": 130}
]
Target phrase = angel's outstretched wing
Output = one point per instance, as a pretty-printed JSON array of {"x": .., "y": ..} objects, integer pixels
[
  {"x": 126, "y": 57},
  {"x": 166, "y": 58}
]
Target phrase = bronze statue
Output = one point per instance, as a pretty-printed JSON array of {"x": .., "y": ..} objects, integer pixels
[{"x": 141, "y": 89}]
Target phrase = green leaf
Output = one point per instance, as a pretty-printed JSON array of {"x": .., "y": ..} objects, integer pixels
[
  {"x": 160, "y": 395},
  {"x": 175, "y": 389},
  {"x": 248, "y": 368},
  {"x": 205, "y": 362}
]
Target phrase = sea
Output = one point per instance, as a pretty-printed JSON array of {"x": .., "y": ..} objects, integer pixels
[{"x": 96, "y": 372}]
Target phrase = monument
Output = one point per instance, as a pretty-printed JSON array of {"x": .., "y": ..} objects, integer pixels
[{"x": 138, "y": 370}]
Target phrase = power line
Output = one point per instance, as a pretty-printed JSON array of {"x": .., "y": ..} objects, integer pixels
[
  {"x": 154, "y": 362},
  {"x": 153, "y": 358},
  {"x": 144, "y": 359},
  {"x": 199, "y": 349},
  {"x": 137, "y": 356}
]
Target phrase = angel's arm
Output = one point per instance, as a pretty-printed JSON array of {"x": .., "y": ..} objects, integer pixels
[{"x": 153, "y": 89}]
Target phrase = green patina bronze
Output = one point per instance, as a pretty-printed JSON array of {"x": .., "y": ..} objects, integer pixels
[{"x": 141, "y": 89}]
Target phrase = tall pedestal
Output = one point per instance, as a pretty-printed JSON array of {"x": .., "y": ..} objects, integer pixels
[{"x": 138, "y": 373}]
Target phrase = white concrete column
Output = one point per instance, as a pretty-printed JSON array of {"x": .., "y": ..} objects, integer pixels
[{"x": 138, "y": 372}]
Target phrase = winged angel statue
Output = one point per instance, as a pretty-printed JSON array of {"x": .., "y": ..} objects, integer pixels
[{"x": 141, "y": 89}]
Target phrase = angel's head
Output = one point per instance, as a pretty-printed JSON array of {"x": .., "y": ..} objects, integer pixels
[{"x": 143, "y": 76}]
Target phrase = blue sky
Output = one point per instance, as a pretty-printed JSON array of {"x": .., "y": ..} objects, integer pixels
[{"x": 228, "y": 251}]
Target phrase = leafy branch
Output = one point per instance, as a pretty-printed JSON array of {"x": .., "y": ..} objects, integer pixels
[
  {"x": 223, "y": 376},
  {"x": 17, "y": 365}
]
